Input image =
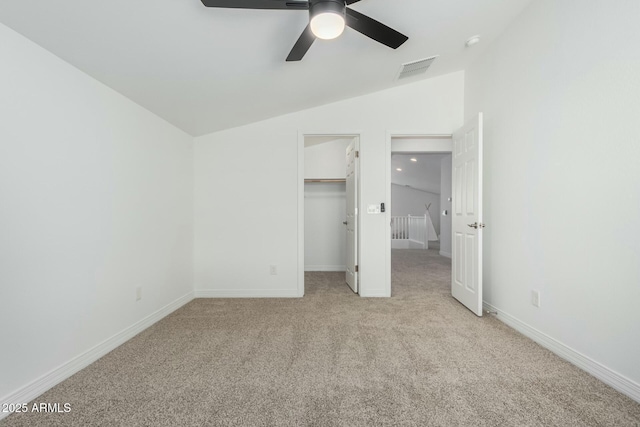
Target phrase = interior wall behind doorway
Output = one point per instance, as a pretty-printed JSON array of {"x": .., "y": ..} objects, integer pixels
[
  {"x": 325, "y": 205},
  {"x": 421, "y": 178},
  {"x": 444, "y": 213},
  {"x": 412, "y": 201}
]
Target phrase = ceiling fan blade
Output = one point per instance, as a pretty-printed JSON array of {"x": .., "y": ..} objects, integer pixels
[
  {"x": 303, "y": 44},
  {"x": 375, "y": 30},
  {"x": 352, "y": 2},
  {"x": 259, "y": 4}
]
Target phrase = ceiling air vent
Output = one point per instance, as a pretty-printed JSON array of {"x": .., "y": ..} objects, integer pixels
[{"x": 415, "y": 68}]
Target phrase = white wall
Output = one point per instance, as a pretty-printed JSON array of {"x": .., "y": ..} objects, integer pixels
[
  {"x": 420, "y": 144},
  {"x": 409, "y": 201},
  {"x": 325, "y": 237},
  {"x": 445, "y": 203},
  {"x": 96, "y": 199},
  {"x": 560, "y": 90},
  {"x": 325, "y": 159},
  {"x": 263, "y": 184},
  {"x": 422, "y": 173}
]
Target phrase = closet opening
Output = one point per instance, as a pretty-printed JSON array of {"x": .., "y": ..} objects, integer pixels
[{"x": 330, "y": 232}]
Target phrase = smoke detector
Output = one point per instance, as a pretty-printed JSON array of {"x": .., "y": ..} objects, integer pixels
[
  {"x": 415, "y": 68},
  {"x": 472, "y": 40}
]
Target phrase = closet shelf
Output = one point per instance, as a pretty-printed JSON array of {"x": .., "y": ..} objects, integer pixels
[{"x": 325, "y": 180}]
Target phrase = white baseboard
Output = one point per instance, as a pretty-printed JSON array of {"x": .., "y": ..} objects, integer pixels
[
  {"x": 399, "y": 244},
  {"x": 374, "y": 295},
  {"x": 619, "y": 382},
  {"x": 247, "y": 293},
  {"x": 414, "y": 244},
  {"x": 445, "y": 254},
  {"x": 64, "y": 371},
  {"x": 325, "y": 268}
]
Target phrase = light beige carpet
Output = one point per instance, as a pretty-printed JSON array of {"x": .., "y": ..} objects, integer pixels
[{"x": 332, "y": 358}]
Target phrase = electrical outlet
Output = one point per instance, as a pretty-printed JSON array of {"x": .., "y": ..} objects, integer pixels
[
  {"x": 138, "y": 293},
  {"x": 535, "y": 298},
  {"x": 273, "y": 270}
]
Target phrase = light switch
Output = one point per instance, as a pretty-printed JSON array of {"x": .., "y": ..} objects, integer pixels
[{"x": 373, "y": 209}]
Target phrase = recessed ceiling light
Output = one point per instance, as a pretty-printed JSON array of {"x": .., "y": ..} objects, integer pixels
[
  {"x": 413, "y": 160},
  {"x": 473, "y": 40},
  {"x": 399, "y": 169}
]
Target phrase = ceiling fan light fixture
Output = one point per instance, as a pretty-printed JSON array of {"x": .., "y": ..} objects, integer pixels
[
  {"x": 327, "y": 20},
  {"x": 327, "y": 26}
]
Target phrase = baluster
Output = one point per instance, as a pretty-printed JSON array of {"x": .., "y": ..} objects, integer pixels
[
  {"x": 406, "y": 228},
  {"x": 395, "y": 228},
  {"x": 426, "y": 232},
  {"x": 405, "y": 232},
  {"x": 408, "y": 219}
]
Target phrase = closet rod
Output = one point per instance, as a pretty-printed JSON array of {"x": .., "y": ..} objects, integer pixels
[{"x": 326, "y": 180}]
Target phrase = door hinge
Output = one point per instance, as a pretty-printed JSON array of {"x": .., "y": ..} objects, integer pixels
[
  {"x": 356, "y": 268},
  {"x": 357, "y": 154}
]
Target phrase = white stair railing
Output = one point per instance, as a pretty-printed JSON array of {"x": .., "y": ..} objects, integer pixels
[
  {"x": 409, "y": 232},
  {"x": 400, "y": 227}
]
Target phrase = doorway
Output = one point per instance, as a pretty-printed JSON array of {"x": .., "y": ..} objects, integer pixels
[
  {"x": 420, "y": 195},
  {"x": 328, "y": 220}
]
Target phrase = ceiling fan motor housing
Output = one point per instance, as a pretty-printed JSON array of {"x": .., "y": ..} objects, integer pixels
[{"x": 317, "y": 7}]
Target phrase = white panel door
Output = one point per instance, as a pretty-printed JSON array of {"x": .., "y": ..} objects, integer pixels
[
  {"x": 466, "y": 274},
  {"x": 352, "y": 216}
]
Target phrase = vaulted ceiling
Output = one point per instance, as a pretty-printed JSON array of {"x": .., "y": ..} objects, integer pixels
[
  {"x": 206, "y": 69},
  {"x": 422, "y": 173}
]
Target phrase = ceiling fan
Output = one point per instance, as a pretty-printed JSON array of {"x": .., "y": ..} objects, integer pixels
[{"x": 327, "y": 19}]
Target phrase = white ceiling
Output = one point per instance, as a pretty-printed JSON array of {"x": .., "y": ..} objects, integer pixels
[
  {"x": 424, "y": 174},
  {"x": 206, "y": 69}
]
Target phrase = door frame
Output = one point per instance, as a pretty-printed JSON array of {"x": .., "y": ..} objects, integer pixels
[
  {"x": 301, "y": 136},
  {"x": 437, "y": 147}
]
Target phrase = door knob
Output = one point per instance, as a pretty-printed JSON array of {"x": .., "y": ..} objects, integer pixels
[
  {"x": 344, "y": 222},
  {"x": 476, "y": 225}
]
